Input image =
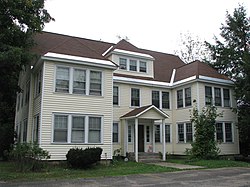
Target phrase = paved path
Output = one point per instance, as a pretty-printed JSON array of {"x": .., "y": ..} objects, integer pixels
[
  {"x": 225, "y": 177},
  {"x": 174, "y": 165}
]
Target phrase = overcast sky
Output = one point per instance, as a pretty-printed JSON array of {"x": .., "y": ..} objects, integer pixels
[{"x": 148, "y": 24}]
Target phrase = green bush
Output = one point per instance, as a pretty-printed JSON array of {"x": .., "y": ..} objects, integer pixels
[
  {"x": 28, "y": 156},
  {"x": 79, "y": 158}
]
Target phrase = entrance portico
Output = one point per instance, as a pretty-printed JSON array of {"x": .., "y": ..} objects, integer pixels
[{"x": 137, "y": 119}]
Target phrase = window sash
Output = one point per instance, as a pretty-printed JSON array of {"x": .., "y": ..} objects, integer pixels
[
  {"x": 167, "y": 134},
  {"x": 217, "y": 96},
  {"x": 132, "y": 65},
  {"x": 123, "y": 63},
  {"x": 115, "y": 95},
  {"x": 78, "y": 129},
  {"x": 165, "y": 100},
  {"x": 156, "y": 98},
  {"x": 60, "y": 128},
  {"x": 208, "y": 95},
  {"x": 62, "y": 79},
  {"x": 94, "y": 130},
  {"x": 135, "y": 97},
  {"x": 95, "y": 83},
  {"x": 219, "y": 132},
  {"x": 188, "y": 97},
  {"x": 228, "y": 132},
  {"x": 129, "y": 133},
  {"x": 115, "y": 132},
  {"x": 157, "y": 133},
  {"x": 181, "y": 132},
  {"x": 79, "y": 81},
  {"x": 143, "y": 66},
  {"x": 226, "y": 97},
  {"x": 189, "y": 132},
  {"x": 179, "y": 98}
]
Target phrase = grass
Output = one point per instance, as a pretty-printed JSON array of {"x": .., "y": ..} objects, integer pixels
[
  {"x": 8, "y": 170},
  {"x": 211, "y": 163},
  {"x": 8, "y": 173}
]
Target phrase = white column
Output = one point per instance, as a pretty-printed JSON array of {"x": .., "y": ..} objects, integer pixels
[
  {"x": 136, "y": 139},
  {"x": 163, "y": 141}
]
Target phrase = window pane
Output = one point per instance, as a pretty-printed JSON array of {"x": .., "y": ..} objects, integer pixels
[
  {"x": 226, "y": 97},
  {"x": 129, "y": 133},
  {"x": 79, "y": 84},
  {"x": 94, "y": 130},
  {"x": 181, "y": 132},
  {"x": 78, "y": 129},
  {"x": 115, "y": 95},
  {"x": 187, "y": 96},
  {"x": 189, "y": 132},
  {"x": 95, "y": 83},
  {"x": 62, "y": 79},
  {"x": 179, "y": 98},
  {"x": 132, "y": 65},
  {"x": 135, "y": 97},
  {"x": 148, "y": 133},
  {"x": 143, "y": 66},
  {"x": 115, "y": 132},
  {"x": 60, "y": 128},
  {"x": 219, "y": 132},
  {"x": 217, "y": 96},
  {"x": 228, "y": 131},
  {"x": 156, "y": 98},
  {"x": 157, "y": 133},
  {"x": 167, "y": 133},
  {"x": 123, "y": 63},
  {"x": 208, "y": 95},
  {"x": 165, "y": 100}
]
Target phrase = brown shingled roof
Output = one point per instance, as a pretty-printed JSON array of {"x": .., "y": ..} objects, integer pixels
[
  {"x": 197, "y": 68},
  {"x": 163, "y": 63}
]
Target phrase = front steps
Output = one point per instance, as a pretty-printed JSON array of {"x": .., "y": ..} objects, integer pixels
[{"x": 146, "y": 157}]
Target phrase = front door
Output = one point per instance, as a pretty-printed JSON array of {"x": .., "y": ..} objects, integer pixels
[{"x": 141, "y": 138}]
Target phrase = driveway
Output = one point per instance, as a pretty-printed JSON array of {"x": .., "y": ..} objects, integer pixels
[{"x": 228, "y": 177}]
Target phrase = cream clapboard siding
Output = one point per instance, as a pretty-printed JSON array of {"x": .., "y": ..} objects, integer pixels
[
  {"x": 228, "y": 116},
  {"x": 75, "y": 104}
]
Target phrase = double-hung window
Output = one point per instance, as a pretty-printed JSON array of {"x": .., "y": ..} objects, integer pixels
[
  {"x": 132, "y": 65},
  {"x": 115, "y": 132},
  {"x": 185, "y": 132},
  {"x": 135, "y": 97},
  {"x": 217, "y": 96},
  {"x": 79, "y": 82},
  {"x": 143, "y": 66},
  {"x": 123, "y": 63},
  {"x": 94, "y": 130},
  {"x": 179, "y": 98},
  {"x": 95, "y": 83},
  {"x": 78, "y": 129},
  {"x": 226, "y": 97},
  {"x": 167, "y": 134},
  {"x": 157, "y": 133},
  {"x": 60, "y": 128},
  {"x": 62, "y": 79},
  {"x": 165, "y": 100},
  {"x": 115, "y": 95},
  {"x": 224, "y": 132},
  {"x": 156, "y": 98},
  {"x": 187, "y": 97},
  {"x": 36, "y": 125},
  {"x": 208, "y": 95}
]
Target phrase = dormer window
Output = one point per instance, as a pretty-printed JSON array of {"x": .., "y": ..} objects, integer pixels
[
  {"x": 132, "y": 65},
  {"x": 123, "y": 63},
  {"x": 143, "y": 66}
]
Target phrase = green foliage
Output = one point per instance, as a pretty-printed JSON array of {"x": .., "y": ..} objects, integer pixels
[
  {"x": 232, "y": 58},
  {"x": 204, "y": 145},
  {"x": 79, "y": 158},
  {"x": 28, "y": 156},
  {"x": 19, "y": 20}
]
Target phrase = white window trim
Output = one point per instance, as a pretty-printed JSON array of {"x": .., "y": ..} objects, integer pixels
[
  {"x": 137, "y": 65},
  {"x": 224, "y": 131},
  {"x": 69, "y": 128},
  {"x": 183, "y": 98},
  {"x": 71, "y": 80},
  {"x": 132, "y": 134},
  {"x": 160, "y": 98},
  {"x": 119, "y": 101},
  {"x": 170, "y": 129},
  {"x": 222, "y": 96}
]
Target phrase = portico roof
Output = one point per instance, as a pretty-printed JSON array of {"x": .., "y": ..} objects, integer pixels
[{"x": 146, "y": 112}]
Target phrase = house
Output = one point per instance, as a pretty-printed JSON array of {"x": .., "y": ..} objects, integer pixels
[{"x": 86, "y": 93}]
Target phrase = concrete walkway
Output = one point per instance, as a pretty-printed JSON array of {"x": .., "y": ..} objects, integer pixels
[{"x": 174, "y": 165}]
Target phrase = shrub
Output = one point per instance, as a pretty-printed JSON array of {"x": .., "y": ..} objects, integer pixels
[
  {"x": 28, "y": 156},
  {"x": 79, "y": 158}
]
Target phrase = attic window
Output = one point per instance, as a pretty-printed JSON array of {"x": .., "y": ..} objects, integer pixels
[
  {"x": 143, "y": 66},
  {"x": 123, "y": 63}
]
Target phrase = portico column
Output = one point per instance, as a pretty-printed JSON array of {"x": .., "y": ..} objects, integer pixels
[
  {"x": 136, "y": 139},
  {"x": 163, "y": 141}
]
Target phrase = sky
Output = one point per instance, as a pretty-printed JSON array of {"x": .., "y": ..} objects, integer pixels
[{"x": 148, "y": 24}]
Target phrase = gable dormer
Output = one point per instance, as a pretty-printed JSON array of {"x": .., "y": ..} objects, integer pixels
[{"x": 131, "y": 60}]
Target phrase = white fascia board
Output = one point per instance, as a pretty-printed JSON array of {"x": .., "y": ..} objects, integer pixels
[
  {"x": 131, "y": 53},
  {"x": 78, "y": 60},
  {"x": 184, "y": 81},
  {"x": 215, "y": 80},
  {"x": 140, "y": 82},
  {"x": 103, "y": 54},
  {"x": 149, "y": 108}
]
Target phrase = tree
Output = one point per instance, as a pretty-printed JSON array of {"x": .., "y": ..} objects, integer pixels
[
  {"x": 19, "y": 20},
  {"x": 204, "y": 145},
  {"x": 191, "y": 48},
  {"x": 232, "y": 58}
]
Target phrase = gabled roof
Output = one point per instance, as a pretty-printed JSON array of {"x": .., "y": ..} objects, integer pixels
[
  {"x": 136, "y": 113},
  {"x": 197, "y": 68}
]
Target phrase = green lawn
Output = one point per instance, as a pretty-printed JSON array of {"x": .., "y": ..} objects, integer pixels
[
  {"x": 8, "y": 173},
  {"x": 211, "y": 163}
]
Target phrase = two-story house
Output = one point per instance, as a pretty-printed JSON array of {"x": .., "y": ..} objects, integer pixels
[{"x": 86, "y": 93}]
